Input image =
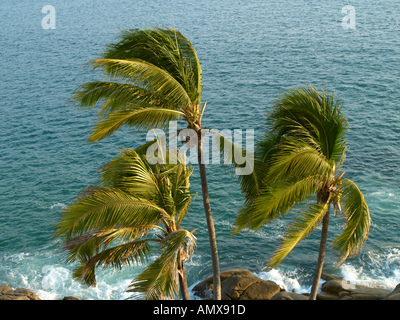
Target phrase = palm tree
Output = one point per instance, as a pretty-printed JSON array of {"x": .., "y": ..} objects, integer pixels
[
  {"x": 298, "y": 162},
  {"x": 153, "y": 77},
  {"x": 139, "y": 206}
]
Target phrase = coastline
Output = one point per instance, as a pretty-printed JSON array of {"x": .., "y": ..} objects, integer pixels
[{"x": 242, "y": 284}]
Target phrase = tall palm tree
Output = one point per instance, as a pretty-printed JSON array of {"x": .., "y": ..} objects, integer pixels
[
  {"x": 298, "y": 162},
  {"x": 137, "y": 207},
  {"x": 153, "y": 76}
]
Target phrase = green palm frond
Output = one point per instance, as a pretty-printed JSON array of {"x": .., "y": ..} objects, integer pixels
[
  {"x": 86, "y": 246},
  {"x": 130, "y": 173},
  {"x": 84, "y": 274},
  {"x": 180, "y": 191},
  {"x": 165, "y": 48},
  {"x": 106, "y": 209},
  {"x": 128, "y": 164},
  {"x": 296, "y": 159},
  {"x": 276, "y": 202},
  {"x": 304, "y": 224},
  {"x": 145, "y": 75},
  {"x": 157, "y": 282},
  {"x": 160, "y": 278},
  {"x": 136, "y": 251},
  {"x": 141, "y": 118},
  {"x": 255, "y": 182},
  {"x": 318, "y": 113},
  {"x": 116, "y": 96},
  {"x": 358, "y": 221}
]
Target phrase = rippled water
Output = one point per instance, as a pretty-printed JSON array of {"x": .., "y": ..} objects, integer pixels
[{"x": 250, "y": 52}]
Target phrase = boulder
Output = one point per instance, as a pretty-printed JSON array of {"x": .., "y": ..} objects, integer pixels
[
  {"x": 5, "y": 289},
  {"x": 238, "y": 284},
  {"x": 284, "y": 295},
  {"x": 70, "y": 298},
  {"x": 394, "y": 295},
  {"x": 327, "y": 277},
  {"x": 204, "y": 289},
  {"x": 323, "y": 295},
  {"x": 248, "y": 287},
  {"x": 7, "y": 293},
  {"x": 333, "y": 286},
  {"x": 337, "y": 289},
  {"x": 365, "y": 293}
]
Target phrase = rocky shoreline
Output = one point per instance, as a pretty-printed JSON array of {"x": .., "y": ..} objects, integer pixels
[
  {"x": 8, "y": 293},
  {"x": 241, "y": 284}
]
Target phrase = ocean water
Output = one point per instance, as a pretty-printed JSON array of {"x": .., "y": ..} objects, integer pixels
[{"x": 250, "y": 52}]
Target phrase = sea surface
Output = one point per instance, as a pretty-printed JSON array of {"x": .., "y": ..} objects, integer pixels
[{"x": 250, "y": 52}]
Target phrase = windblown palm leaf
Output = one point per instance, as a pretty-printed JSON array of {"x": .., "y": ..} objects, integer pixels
[
  {"x": 111, "y": 225},
  {"x": 155, "y": 77},
  {"x": 160, "y": 278},
  {"x": 358, "y": 222}
]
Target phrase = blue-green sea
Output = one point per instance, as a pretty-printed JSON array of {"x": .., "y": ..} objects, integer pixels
[{"x": 250, "y": 52}]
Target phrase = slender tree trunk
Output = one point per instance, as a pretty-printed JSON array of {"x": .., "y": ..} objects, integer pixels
[
  {"x": 210, "y": 221},
  {"x": 321, "y": 256},
  {"x": 183, "y": 283}
]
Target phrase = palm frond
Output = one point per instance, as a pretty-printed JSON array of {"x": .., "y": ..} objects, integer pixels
[
  {"x": 319, "y": 113},
  {"x": 132, "y": 252},
  {"x": 180, "y": 191},
  {"x": 145, "y": 75},
  {"x": 253, "y": 183},
  {"x": 131, "y": 174},
  {"x": 157, "y": 282},
  {"x": 358, "y": 221},
  {"x": 165, "y": 48},
  {"x": 276, "y": 202},
  {"x": 106, "y": 209},
  {"x": 160, "y": 278},
  {"x": 300, "y": 229},
  {"x": 141, "y": 118},
  {"x": 118, "y": 96},
  {"x": 84, "y": 275},
  {"x": 296, "y": 159},
  {"x": 84, "y": 247}
]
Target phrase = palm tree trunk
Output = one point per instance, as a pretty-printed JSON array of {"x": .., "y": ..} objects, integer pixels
[
  {"x": 183, "y": 284},
  {"x": 210, "y": 221},
  {"x": 321, "y": 256}
]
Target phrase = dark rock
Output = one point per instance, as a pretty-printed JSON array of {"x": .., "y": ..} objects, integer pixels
[
  {"x": 248, "y": 287},
  {"x": 5, "y": 290},
  {"x": 327, "y": 277},
  {"x": 204, "y": 289},
  {"x": 337, "y": 289},
  {"x": 333, "y": 286},
  {"x": 7, "y": 293},
  {"x": 394, "y": 295},
  {"x": 70, "y": 298},
  {"x": 284, "y": 295}
]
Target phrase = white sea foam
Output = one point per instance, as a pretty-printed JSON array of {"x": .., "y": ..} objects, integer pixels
[
  {"x": 58, "y": 205},
  {"x": 286, "y": 280},
  {"x": 43, "y": 273},
  {"x": 379, "y": 269}
]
